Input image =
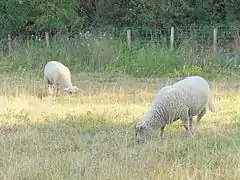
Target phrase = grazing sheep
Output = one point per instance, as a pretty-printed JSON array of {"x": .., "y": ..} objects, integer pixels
[
  {"x": 182, "y": 100},
  {"x": 57, "y": 77}
]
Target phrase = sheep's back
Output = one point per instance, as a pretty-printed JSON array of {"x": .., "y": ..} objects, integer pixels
[
  {"x": 56, "y": 70},
  {"x": 191, "y": 92},
  {"x": 195, "y": 93}
]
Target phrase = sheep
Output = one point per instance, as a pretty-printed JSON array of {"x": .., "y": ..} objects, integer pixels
[
  {"x": 182, "y": 100},
  {"x": 57, "y": 78}
]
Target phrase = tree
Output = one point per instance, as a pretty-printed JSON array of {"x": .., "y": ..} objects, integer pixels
[{"x": 35, "y": 15}]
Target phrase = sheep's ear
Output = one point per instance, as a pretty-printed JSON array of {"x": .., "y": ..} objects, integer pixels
[
  {"x": 139, "y": 126},
  {"x": 66, "y": 89}
]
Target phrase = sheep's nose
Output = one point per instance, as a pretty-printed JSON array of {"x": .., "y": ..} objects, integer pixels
[{"x": 140, "y": 139}]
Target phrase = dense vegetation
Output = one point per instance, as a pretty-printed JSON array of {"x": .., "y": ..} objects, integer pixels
[
  {"x": 107, "y": 21},
  {"x": 78, "y": 14}
]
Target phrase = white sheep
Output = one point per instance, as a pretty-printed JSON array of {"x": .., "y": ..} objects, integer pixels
[
  {"x": 183, "y": 100},
  {"x": 57, "y": 78}
]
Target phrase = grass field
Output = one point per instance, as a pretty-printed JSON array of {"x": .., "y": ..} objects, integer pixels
[{"x": 90, "y": 135}]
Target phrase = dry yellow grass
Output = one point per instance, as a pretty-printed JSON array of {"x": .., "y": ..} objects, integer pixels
[{"x": 89, "y": 135}]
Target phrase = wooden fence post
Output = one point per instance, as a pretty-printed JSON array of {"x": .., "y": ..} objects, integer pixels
[
  {"x": 47, "y": 38},
  {"x": 214, "y": 39},
  {"x": 237, "y": 39},
  {"x": 9, "y": 42},
  {"x": 172, "y": 38},
  {"x": 129, "y": 37}
]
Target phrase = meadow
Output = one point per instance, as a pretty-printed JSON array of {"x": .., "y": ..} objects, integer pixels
[{"x": 90, "y": 135}]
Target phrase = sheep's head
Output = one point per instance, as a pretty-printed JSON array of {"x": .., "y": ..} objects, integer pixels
[
  {"x": 71, "y": 90},
  {"x": 141, "y": 131}
]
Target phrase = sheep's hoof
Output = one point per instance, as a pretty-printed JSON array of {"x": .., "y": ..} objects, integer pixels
[
  {"x": 191, "y": 133},
  {"x": 159, "y": 136},
  {"x": 194, "y": 133}
]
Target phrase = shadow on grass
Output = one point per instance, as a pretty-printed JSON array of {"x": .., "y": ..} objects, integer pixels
[
  {"x": 89, "y": 125},
  {"x": 100, "y": 125},
  {"x": 90, "y": 145}
]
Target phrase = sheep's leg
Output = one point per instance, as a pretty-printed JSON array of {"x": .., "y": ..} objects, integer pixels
[
  {"x": 160, "y": 134},
  {"x": 55, "y": 88},
  {"x": 50, "y": 88},
  {"x": 191, "y": 123},
  {"x": 58, "y": 88},
  {"x": 199, "y": 117},
  {"x": 187, "y": 123},
  {"x": 47, "y": 84}
]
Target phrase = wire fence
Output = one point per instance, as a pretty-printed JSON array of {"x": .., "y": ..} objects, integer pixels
[{"x": 221, "y": 39}]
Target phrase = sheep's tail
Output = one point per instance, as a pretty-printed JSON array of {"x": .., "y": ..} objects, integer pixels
[{"x": 211, "y": 107}]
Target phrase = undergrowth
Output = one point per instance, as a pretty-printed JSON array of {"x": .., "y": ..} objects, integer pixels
[{"x": 89, "y": 53}]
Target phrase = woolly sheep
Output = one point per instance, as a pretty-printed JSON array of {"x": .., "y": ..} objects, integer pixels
[
  {"x": 183, "y": 100},
  {"x": 57, "y": 77}
]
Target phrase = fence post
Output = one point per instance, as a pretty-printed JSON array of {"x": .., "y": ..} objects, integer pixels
[
  {"x": 9, "y": 42},
  {"x": 214, "y": 39},
  {"x": 172, "y": 38},
  {"x": 47, "y": 38},
  {"x": 129, "y": 37},
  {"x": 237, "y": 39}
]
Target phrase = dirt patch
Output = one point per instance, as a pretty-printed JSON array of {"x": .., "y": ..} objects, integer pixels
[{"x": 8, "y": 129}]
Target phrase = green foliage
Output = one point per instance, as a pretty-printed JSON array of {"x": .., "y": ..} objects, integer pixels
[
  {"x": 78, "y": 14},
  {"x": 36, "y": 15},
  {"x": 155, "y": 13},
  {"x": 148, "y": 61},
  {"x": 60, "y": 15}
]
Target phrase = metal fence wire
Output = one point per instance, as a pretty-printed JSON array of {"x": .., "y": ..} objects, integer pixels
[{"x": 198, "y": 37}]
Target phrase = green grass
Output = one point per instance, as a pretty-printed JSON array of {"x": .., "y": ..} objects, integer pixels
[
  {"x": 105, "y": 54},
  {"x": 90, "y": 135}
]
